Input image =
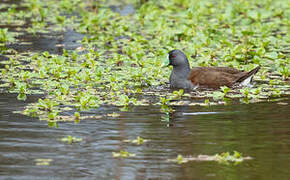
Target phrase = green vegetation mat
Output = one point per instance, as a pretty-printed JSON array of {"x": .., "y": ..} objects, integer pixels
[{"x": 119, "y": 61}]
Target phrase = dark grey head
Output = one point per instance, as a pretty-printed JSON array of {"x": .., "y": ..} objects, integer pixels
[
  {"x": 178, "y": 59},
  {"x": 181, "y": 70}
]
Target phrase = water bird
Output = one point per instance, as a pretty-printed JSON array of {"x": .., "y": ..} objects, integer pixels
[{"x": 182, "y": 77}]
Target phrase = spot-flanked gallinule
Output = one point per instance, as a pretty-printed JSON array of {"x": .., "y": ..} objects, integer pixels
[{"x": 211, "y": 77}]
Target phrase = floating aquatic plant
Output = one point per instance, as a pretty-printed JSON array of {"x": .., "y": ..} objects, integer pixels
[
  {"x": 6, "y": 36},
  {"x": 71, "y": 139},
  {"x": 139, "y": 140},
  {"x": 123, "y": 154},
  {"x": 119, "y": 61},
  {"x": 43, "y": 162},
  {"x": 223, "y": 158}
]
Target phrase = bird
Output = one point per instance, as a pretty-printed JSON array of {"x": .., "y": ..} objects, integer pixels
[{"x": 182, "y": 77}]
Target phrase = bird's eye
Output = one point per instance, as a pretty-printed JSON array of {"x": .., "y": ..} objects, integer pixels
[{"x": 173, "y": 56}]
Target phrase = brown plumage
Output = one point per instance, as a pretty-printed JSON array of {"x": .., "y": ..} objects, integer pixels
[{"x": 215, "y": 77}]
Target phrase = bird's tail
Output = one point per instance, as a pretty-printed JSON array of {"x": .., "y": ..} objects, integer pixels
[{"x": 247, "y": 78}]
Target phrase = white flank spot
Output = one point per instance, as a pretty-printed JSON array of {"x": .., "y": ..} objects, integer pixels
[{"x": 247, "y": 82}]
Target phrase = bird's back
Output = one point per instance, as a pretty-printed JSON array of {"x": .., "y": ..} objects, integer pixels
[{"x": 215, "y": 77}]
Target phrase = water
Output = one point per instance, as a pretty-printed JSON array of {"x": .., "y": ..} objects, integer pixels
[
  {"x": 260, "y": 130},
  {"x": 123, "y": 10},
  {"x": 51, "y": 42}
]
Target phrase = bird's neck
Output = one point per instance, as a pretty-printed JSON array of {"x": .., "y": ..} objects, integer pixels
[{"x": 182, "y": 71}]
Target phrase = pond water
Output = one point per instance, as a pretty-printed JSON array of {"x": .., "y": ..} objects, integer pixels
[{"x": 261, "y": 131}]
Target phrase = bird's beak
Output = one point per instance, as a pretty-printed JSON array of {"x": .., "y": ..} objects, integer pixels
[{"x": 166, "y": 63}]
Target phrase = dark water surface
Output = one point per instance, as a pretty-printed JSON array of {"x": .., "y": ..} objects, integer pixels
[{"x": 260, "y": 130}]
